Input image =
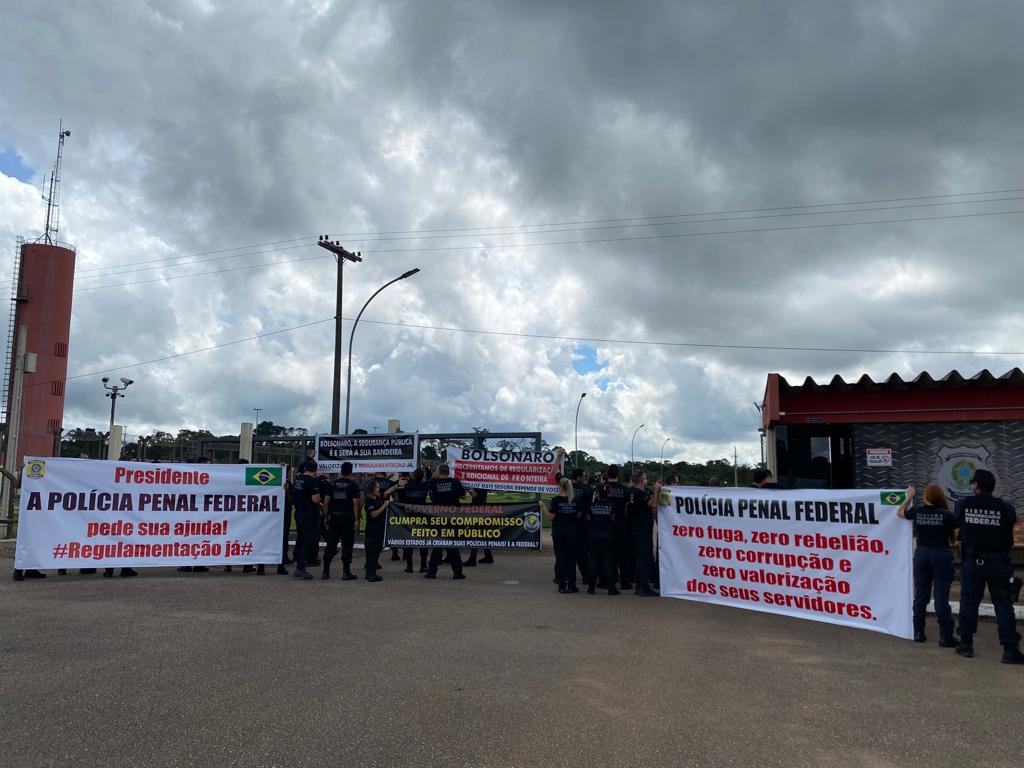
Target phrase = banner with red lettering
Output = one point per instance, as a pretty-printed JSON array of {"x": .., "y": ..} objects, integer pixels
[
  {"x": 525, "y": 471},
  {"x": 842, "y": 556},
  {"x": 80, "y": 513}
]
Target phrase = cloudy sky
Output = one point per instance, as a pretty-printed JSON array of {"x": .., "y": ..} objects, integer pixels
[{"x": 535, "y": 160}]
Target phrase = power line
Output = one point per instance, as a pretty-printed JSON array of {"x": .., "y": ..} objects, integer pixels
[
  {"x": 630, "y": 238},
  {"x": 582, "y": 222},
  {"x": 691, "y": 344},
  {"x": 565, "y": 229},
  {"x": 546, "y": 337}
]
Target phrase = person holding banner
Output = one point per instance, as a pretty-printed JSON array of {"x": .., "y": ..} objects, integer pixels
[
  {"x": 376, "y": 511},
  {"x": 601, "y": 556},
  {"x": 986, "y": 538},
  {"x": 564, "y": 516},
  {"x": 447, "y": 491},
  {"x": 479, "y": 497},
  {"x": 640, "y": 506},
  {"x": 411, "y": 490},
  {"x": 342, "y": 522},
  {"x": 306, "y": 496},
  {"x": 934, "y": 526}
]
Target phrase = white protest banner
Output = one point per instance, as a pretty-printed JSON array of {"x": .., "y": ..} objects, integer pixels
[
  {"x": 842, "y": 557},
  {"x": 368, "y": 453},
  {"x": 527, "y": 471},
  {"x": 78, "y": 513}
]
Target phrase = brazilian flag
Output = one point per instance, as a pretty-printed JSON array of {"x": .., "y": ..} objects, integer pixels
[
  {"x": 264, "y": 475},
  {"x": 893, "y": 498}
]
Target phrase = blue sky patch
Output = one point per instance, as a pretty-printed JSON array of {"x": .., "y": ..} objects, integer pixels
[
  {"x": 12, "y": 165},
  {"x": 584, "y": 361}
]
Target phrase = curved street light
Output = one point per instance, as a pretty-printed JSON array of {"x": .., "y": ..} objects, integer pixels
[
  {"x": 631, "y": 444},
  {"x": 576, "y": 431},
  {"x": 348, "y": 384},
  {"x": 662, "y": 461}
]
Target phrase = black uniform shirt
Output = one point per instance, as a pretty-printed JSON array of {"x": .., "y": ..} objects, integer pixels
[
  {"x": 344, "y": 492},
  {"x": 446, "y": 490},
  {"x": 582, "y": 495},
  {"x": 932, "y": 525},
  {"x": 480, "y": 495},
  {"x": 413, "y": 493},
  {"x": 601, "y": 513},
  {"x": 617, "y": 496},
  {"x": 638, "y": 510},
  {"x": 374, "y": 525},
  {"x": 986, "y": 524},
  {"x": 303, "y": 490},
  {"x": 565, "y": 513}
]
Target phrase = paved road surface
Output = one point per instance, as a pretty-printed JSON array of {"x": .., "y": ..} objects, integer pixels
[{"x": 219, "y": 669}]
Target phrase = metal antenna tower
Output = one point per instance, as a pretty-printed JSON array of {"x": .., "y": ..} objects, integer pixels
[{"x": 52, "y": 198}]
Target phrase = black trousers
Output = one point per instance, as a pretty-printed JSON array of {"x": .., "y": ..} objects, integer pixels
[
  {"x": 602, "y": 559},
  {"x": 581, "y": 547},
  {"x": 341, "y": 528},
  {"x": 564, "y": 542},
  {"x": 407, "y": 555},
  {"x": 643, "y": 553},
  {"x": 993, "y": 569},
  {"x": 933, "y": 568},
  {"x": 307, "y": 536},
  {"x": 623, "y": 545},
  {"x": 452, "y": 556},
  {"x": 374, "y": 546}
]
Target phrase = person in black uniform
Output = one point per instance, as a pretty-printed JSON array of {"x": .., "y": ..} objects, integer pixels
[
  {"x": 640, "y": 506},
  {"x": 934, "y": 526},
  {"x": 411, "y": 490},
  {"x": 622, "y": 541},
  {"x": 445, "y": 491},
  {"x": 306, "y": 495},
  {"x": 583, "y": 496},
  {"x": 564, "y": 516},
  {"x": 321, "y": 531},
  {"x": 601, "y": 555},
  {"x": 376, "y": 520},
  {"x": 986, "y": 537},
  {"x": 764, "y": 479},
  {"x": 342, "y": 522},
  {"x": 478, "y": 496}
]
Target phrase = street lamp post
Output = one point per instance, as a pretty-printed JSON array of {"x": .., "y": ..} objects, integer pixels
[
  {"x": 113, "y": 393},
  {"x": 576, "y": 431},
  {"x": 341, "y": 256},
  {"x": 631, "y": 444},
  {"x": 662, "y": 461},
  {"x": 352, "y": 335}
]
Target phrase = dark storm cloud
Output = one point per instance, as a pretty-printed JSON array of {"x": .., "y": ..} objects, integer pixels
[{"x": 201, "y": 126}]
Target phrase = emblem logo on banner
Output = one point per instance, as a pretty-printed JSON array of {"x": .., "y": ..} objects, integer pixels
[
  {"x": 957, "y": 467},
  {"x": 35, "y": 469},
  {"x": 262, "y": 476},
  {"x": 531, "y": 522}
]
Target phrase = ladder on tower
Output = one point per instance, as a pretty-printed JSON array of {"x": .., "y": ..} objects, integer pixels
[{"x": 12, "y": 331}]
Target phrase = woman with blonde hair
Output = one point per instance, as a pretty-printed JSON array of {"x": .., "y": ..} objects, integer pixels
[
  {"x": 563, "y": 516},
  {"x": 934, "y": 526}
]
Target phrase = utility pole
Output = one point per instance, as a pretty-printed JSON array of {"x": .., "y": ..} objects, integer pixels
[
  {"x": 114, "y": 392},
  {"x": 341, "y": 256},
  {"x": 576, "y": 431},
  {"x": 735, "y": 469}
]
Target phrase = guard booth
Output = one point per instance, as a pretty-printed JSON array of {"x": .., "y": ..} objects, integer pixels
[{"x": 892, "y": 433}]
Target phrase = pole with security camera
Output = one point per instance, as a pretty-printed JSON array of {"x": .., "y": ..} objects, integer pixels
[{"x": 114, "y": 392}]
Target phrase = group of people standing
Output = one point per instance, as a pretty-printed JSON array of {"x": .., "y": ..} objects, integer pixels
[
  {"x": 605, "y": 531},
  {"x": 336, "y": 508}
]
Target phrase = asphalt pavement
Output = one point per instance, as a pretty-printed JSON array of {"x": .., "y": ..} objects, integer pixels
[{"x": 218, "y": 669}]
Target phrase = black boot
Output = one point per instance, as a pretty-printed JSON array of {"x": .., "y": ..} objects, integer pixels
[
  {"x": 260, "y": 570},
  {"x": 282, "y": 571},
  {"x": 947, "y": 639},
  {"x": 128, "y": 573},
  {"x": 1012, "y": 654},
  {"x": 248, "y": 569},
  {"x": 966, "y": 646},
  {"x": 32, "y": 573},
  {"x": 326, "y": 573},
  {"x": 919, "y": 636},
  {"x": 487, "y": 559}
]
